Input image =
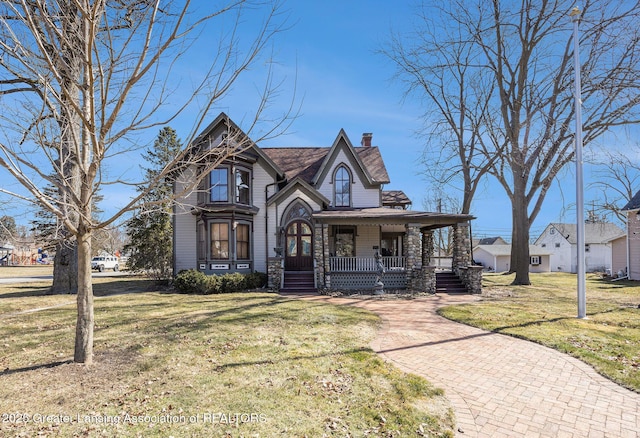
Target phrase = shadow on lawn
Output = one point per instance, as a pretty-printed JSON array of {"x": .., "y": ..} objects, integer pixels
[{"x": 8, "y": 371}]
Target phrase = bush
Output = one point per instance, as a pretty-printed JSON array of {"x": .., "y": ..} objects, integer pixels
[
  {"x": 195, "y": 282},
  {"x": 192, "y": 282}
]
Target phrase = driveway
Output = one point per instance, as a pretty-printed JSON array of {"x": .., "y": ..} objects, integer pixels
[
  {"x": 35, "y": 278},
  {"x": 499, "y": 386}
]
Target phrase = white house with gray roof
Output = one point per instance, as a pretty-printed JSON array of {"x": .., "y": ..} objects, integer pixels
[
  {"x": 496, "y": 258},
  {"x": 560, "y": 240}
]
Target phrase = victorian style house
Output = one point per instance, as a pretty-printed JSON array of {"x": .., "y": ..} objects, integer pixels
[{"x": 310, "y": 217}]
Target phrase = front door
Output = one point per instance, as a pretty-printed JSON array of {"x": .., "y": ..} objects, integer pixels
[{"x": 299, "y": 250}]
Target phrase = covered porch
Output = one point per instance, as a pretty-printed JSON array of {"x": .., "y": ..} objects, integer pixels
[{"x": 346, "y": 243}]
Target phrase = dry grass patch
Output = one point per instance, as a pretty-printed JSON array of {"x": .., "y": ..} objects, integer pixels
[
  {"x": 250, "y": 364},
  {"x": 545, "y": 312}
]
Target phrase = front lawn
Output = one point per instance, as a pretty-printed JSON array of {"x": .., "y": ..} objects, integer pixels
[
  {"x": 546, "y": 312},
  {"x": 253, "y": 364}
]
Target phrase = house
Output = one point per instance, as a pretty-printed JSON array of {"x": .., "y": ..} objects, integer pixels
[
  {"x": 632, "y": 212},
  {"x": 497, "y": 257},
  {"x": 310, "y": 217},
  {"x": 561, "y": 241},
  {"x": 489, "y": 241}
]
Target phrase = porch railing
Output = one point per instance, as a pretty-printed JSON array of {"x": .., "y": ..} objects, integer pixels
[{"x": 365, "y": 264}]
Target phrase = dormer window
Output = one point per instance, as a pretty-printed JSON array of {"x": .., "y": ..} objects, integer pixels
[{"x": 342, "y": 184}]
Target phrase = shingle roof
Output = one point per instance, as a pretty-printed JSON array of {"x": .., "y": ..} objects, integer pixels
[
  {"x": 633, "y": 204},
  {"x": 395, "y": 197},
  {"x": 505, "y": 250},
  {"x": 304, "y": 162},
  {"x": 594, "y": 232}
]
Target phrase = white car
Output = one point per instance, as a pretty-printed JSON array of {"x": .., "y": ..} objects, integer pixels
[{"x": 104, "y": 262}]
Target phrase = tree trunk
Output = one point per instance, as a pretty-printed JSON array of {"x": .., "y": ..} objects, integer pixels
[
  {"x": 520, "y": 234},
  {"x": 84, "y": 326},
  {"x": 65, "y": 269}
]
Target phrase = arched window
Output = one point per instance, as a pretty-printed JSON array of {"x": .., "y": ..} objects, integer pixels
[{"x": 342, "y": 184}]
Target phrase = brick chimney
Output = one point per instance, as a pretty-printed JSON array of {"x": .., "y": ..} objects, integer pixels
[{"x": 366, "y": 139}]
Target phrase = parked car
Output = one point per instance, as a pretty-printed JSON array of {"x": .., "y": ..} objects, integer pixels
[{"x": 104, "y": 262}]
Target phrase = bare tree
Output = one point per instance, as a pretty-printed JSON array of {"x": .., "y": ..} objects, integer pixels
[
  {"x": 523, "y": 51},
  {"x": 80, "y": 80},
  {"x": 456, "y": 95},
  {"x": 617, "y": 179}
]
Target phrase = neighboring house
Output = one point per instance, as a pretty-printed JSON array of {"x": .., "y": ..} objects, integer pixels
[
  {"x": 489, "y": 241},
  {"x": 561, "y": 241},
  {"x": 632, "y": 211},
  {"x": 497, "y": 257},
  {"x": 619, "y": 256},
  {"x": 309, "y": 217}
]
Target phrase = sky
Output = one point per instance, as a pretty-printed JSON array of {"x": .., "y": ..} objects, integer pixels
[
  {"x": 343, "y": 82},
  {"x": 327, "y": 59}
]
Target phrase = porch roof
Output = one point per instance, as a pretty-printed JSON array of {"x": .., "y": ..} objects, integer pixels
[{"x": 389, "y": 216}]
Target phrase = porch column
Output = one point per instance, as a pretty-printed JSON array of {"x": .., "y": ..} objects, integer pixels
[
  {"x": 461, "y": 246},
  {"x": 412, "y": 252},
  {"x": 427, "y": 247},
  {"x": 321, "y": 255}
]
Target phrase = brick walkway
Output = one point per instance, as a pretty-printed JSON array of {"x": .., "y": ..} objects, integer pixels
[{"x": 499, "y": 386}]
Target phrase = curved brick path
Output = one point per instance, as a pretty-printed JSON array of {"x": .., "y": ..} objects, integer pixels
[{"x": 499, "y": 386}]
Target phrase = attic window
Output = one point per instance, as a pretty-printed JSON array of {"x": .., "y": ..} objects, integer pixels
[{"x": 342, "y": 185}]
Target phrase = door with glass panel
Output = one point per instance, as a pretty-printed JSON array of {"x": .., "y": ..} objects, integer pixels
[{"x": 299, "y": 247}]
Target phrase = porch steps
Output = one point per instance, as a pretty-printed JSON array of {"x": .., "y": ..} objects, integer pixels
[
  {"x": 298, "y": 282},
  {"x": 448, "y": 283}
]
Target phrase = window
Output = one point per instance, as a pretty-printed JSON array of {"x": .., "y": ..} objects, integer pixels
[
  {"x": 558, "y": 245},
  {"x": 242, "y": 242},
  {"x": 219, "y": 240},
  {"x": 202, "y": 241},
  {"x": 345, "y": 242},
  {"x": 534, "y": 260},
  {"x": 242, "y": 187},
  {"x": 342, "y": 183},
  {"x": 220, "y": 185}
]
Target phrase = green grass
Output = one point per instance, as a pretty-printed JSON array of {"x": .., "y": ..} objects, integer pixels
[
  {"x": 546, "y": 312},
  {"x": 251, "y": 364}
]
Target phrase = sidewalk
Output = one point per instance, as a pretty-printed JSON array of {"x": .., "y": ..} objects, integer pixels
[{"x": 499, "y": 386}]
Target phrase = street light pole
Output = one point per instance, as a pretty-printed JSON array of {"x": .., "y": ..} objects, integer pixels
[{"x": 582, "y": 300}]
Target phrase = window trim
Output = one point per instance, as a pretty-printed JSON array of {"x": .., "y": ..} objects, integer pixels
[
  {"x": 336, "y": 185},
  {"x": 212, "y": 185},
  {"x": 248, "y": 242},
  {"x": 236, "y": 171},
  {"x": 210, "y": 239}
]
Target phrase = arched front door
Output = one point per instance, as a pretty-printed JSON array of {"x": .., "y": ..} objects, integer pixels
[{"x": 299, "y": 249}]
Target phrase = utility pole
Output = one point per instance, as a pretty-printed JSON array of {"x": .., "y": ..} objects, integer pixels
[{"x": 582, "y": 300}]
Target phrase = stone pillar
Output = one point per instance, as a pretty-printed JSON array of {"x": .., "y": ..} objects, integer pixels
[
  {"x": 461, "y": 247},
  {"x": 274, "y": 273},
  {"x": 427, "y": 247},
  {"x": 471, "y": 276},
  {"x": 413, "y": 253},
  {"x": 429, "y": 279},
  {"x": 321, "y": 255}
]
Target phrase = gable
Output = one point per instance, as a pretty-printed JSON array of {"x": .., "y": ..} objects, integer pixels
[
  {"x": 594, "y": 232},
  {"x": 223, "y": 132},
  {"x": 343, "y": 150}
]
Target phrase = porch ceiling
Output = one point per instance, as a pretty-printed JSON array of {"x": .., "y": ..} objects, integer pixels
[{"x": 390, "y": 216}]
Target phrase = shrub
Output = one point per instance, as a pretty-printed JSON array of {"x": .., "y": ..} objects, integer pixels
[
  {"x": 192, "y": 282},
  {"x": 256, "y": 280},
  {"x": 195, "y": 282}
]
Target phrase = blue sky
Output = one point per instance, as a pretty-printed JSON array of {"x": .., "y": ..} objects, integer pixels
[
  {"x": 329, "y": 54},
  {"x": 344, "y": 83}
]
